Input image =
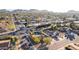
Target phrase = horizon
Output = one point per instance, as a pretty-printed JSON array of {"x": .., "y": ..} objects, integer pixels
[
  {"x": 39, "y": 10},
  {"x": 50, "y": 5}
]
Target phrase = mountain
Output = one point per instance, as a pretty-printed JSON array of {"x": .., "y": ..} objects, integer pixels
[
  {"x": 72, "y": 11},
  {"x": 4, "y": 10}
]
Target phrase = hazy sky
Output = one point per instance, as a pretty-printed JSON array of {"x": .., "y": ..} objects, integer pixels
[{"x": 51, "y": 5}]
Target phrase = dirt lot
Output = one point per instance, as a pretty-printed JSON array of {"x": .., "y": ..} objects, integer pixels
[{"x": 59, "y": 44}]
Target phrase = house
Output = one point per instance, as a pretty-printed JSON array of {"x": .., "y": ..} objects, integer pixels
[
  {"x": 4, "y": 43},
  {"x": 76, "y": 23}
]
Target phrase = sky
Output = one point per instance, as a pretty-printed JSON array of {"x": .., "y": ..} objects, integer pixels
[{"x": 50, "y": 5}]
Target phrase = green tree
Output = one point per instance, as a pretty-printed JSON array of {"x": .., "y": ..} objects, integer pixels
[
  {"x": 36, "y": 40},
  {"x": 72, "y": 25},
  {"x": 54, "y": 27},
  {"x": 47, "y": 40},
  {"x": 74, "y": 16}
]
